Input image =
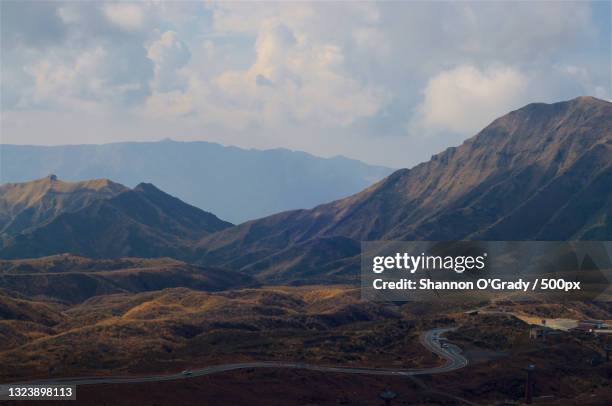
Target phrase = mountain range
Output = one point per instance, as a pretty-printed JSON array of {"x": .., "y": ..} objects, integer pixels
[
  {"x": 236, "y": 184},
  {"x": 542, "y": 172}
]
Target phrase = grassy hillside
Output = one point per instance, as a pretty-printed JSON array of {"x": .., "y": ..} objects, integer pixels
[{"x": 72, "y": 279}]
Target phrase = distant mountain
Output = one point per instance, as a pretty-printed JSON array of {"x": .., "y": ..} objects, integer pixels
[
  {"x": 543, "y": 172},
  {"x": 98, "y": 219},
  {"x": 235, "y": 184}
]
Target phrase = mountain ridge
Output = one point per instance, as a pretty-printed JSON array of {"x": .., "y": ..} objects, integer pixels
[
  {"x": 234, "y": 183},
  {"x": 23, "y": 205},
  {"x": 143, "y": 221},
  {"x": 513, "y": 180},
  {"x": 541, "y": 172}
]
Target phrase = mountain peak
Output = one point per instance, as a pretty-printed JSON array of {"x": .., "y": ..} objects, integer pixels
[
  {"x": 563, "y": 107},
  {"x": 97, "y": 218},
  {"x": 151, "y": 190},
  {"x": 588, "y": 99},
  {"x": 53, "y": 182},
  {"x": 28, "y": 203},
  {"x": 146, "y": 187}
]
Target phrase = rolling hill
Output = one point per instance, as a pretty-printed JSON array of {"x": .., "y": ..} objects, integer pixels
[
  {"x": 71, "y": 279},
  {"x": 175, "y": 328}
]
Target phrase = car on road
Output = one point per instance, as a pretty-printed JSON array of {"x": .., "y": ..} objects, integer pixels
[
  {"x": 444, "y": 345},
  {"x": 186, "y": 372}
]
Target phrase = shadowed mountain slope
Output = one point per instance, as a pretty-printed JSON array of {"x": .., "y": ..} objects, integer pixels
[
  {"x": 72, "y": 279},
  {"x": 542, "y": 172},
  {"x": 143, "y": 221}
]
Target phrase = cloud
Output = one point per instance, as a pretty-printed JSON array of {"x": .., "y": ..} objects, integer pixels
[
  {"x": 30, "y": 24},
  {"x": 128, "y": 16},
  {"x": 294, "y": 78},
  {"x": 84, "y": 82},
  {"x": 169, "y": 54},
  {"x": 69, "y": 82},
  {"x": 261, "y": 80},
  {"x": 169, "y": 104},
  {"x": 518, "y": 30},
  {"x": 465, "y": 99},
  {"x": 333, "y": 78},
  {"x": 87, "y": 62},
  {"x": 170, "y": 96}
]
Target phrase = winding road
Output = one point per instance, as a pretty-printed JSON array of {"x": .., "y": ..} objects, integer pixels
[{"x": 430, "y": 339}]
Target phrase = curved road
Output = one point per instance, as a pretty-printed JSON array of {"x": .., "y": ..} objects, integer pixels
[{"x": 429, "y": 339}]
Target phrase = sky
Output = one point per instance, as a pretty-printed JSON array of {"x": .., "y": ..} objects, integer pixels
[{"x": 388, "y": 83}]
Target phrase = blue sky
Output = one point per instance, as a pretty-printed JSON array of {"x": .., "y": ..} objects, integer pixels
[{"x": 388, "y": 83}]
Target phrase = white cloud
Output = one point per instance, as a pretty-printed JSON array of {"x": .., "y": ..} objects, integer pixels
[
  {"x": 69, "y": 14},
  {"x": 521, "y": 29},
  {"x": 465, "y": 99},
  {"x": 78, "y": 81},
  {"x": 169, "y": 54},
  {"x": 69, "y": 82},
  {"x": 330, "y": 78},
  {"x": 297, "y": 79},
  {"x": 128, "y": 16},
  {"x": 169, "y": 104}
]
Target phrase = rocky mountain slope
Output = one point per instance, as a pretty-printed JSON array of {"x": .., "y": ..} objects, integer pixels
[
  {"x": 143, "y": 221},
  {"x": 542, "y": 172},
  {"x": 30, "y": 204}
]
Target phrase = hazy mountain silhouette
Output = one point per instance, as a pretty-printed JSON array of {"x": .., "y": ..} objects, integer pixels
[{"x": 236, "y": 184}]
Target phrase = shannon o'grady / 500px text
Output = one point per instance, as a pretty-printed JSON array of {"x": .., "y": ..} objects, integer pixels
[{"x": 480, "y": 284}]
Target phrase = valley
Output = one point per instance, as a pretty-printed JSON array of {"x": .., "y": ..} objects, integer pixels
[
  {"x": 320, "y": 332},
  {"x": 180, "y": 327}
]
